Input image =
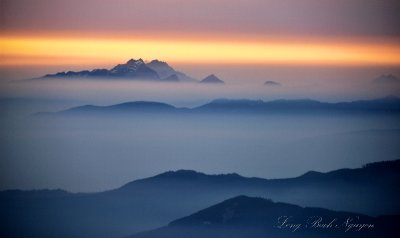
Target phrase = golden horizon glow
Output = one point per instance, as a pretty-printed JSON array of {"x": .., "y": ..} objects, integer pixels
[{"x": 24, "y": 50}]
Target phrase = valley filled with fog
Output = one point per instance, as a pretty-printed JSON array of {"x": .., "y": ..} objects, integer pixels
[{"x": 94, "y": 153}]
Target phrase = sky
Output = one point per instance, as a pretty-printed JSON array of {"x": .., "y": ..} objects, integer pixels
[
  {"x": 257, "y": 31},
  {"x": 269, "y": 40}
]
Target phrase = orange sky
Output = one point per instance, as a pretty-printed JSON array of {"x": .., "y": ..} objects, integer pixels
[
  {"x": 89, "y": 50},
  {"x": 291, "y": 32}
]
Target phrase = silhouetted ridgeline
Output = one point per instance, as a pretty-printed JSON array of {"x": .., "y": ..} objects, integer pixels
[
  {"x": 388, "y": 104},
  {"x": 244, "y": 216},
  {"x": 153, "y": 202},
  {"x": 132, "y": 70},
  {"x": 132, "y": 107},
  {"x": 383, "y": 105},
  {"x": 383, "y": 165}
]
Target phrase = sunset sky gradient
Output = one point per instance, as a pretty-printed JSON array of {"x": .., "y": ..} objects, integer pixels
[{"x": 310, "y": 32}]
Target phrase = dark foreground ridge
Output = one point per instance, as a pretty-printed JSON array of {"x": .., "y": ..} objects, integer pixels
[
  {"x": 244, "y": 216},
  {"x": 153, "y": 202}
]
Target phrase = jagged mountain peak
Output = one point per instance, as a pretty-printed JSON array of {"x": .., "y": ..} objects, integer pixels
[
  {"x": 156, "y": 61},
  {"x": 133, "y": 69},
  {"x": 130, "y": 65},
  {"x": 136, "y": 62}
]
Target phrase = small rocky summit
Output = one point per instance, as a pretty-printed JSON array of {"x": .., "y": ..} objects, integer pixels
[
  {"x": 212, "y": 79},
  {"x": 272, "y": 83}
]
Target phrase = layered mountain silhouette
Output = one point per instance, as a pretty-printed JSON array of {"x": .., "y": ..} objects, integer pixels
[
  {"x": 382, "y": 105},
  {"x": 387, "y": 104},
  {"x": 128, "y": 107},
  {"x": 153, "y": 202},
  {"x": 133, "y": 69},
  {"x": 244, "y": 216}
]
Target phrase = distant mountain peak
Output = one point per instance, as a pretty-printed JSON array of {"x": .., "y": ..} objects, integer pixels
[
  {"x": 135, "y": 69},
  {"x": 236, "y": 101},
  {"x": 135, "y": 62},
  {"x": 131, "y": 66},
  {"x": 182, "y": 173},
  {"x": 212, "y": 79},
  {"x": 192, "y": 174},
  {"x": 132, "y": 60},
  {"x": 272, "y": 83},
  {"x": 143, "y": 103}
]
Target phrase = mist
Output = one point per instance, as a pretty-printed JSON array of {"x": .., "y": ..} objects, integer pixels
[
  {"x": 331, "y": 84},
  {"x": 95, "y": 153}
]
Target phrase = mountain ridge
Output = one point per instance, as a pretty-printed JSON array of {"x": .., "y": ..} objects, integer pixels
[
  {"x": 151, "y": 202},
  {"x": 155, "y": 70},
  {"x": 393, "y": 165},
  {"x": 380, "y": 105},
  {"x": 244, "y": 216}
]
